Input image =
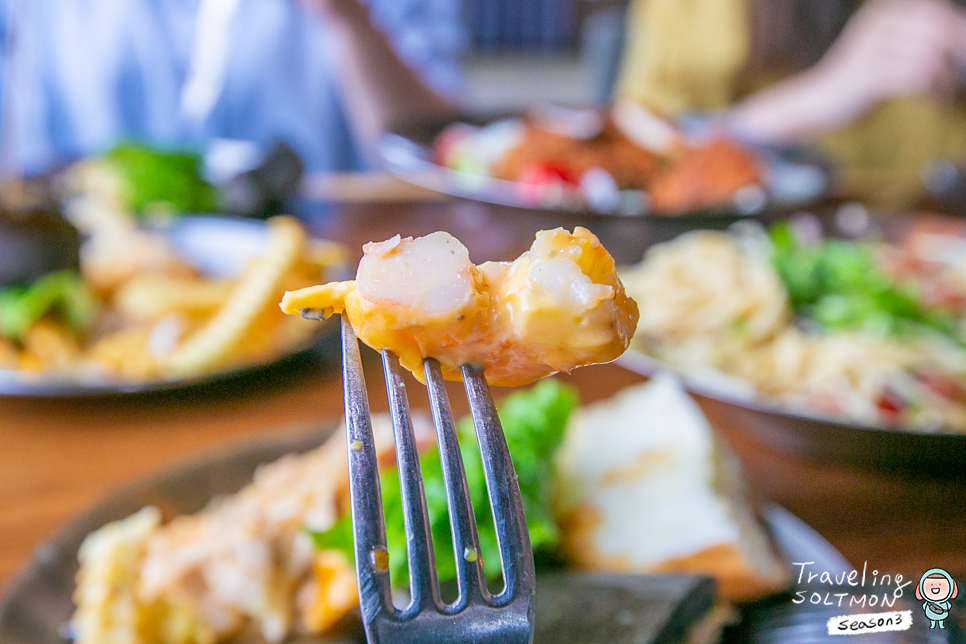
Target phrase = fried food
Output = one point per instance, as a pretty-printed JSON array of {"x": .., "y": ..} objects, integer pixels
[
  {"x": 212, "y": 345},
  {"x": 558, "y": 306},
  {"x": 704, "y": 177},
  {"x": 629, "y": 164},
  {"x": 126, "y": 354},
  {"x": 242, "y": 569},
  {"x": 108, "y": 609},
  {"x": 50, "y": 347},
  {"x": 152, "y": 296},
  {"x": 9, "y": 356},
  {"x": 163, "y": 319}
]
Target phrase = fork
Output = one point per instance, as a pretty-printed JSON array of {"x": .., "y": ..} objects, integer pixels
[{"x": 476, "y": 615}]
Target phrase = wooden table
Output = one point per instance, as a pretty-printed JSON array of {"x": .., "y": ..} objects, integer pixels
[{"x": 57, "y": 457}]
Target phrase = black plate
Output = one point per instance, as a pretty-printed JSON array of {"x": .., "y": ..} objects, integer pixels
[
  {"x": 38, "y": 601},
  {"x": 795, "y": 177},
  {"x": 216, "y": 246}
]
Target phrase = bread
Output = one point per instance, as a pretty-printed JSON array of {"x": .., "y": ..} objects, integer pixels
[{"x": 645, "y": 486}]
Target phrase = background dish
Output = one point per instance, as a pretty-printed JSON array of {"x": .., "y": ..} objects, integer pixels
[
  {"x": 815, "y": 438},
  {"x": 812, "y": 436},
  {"x": 217, "y": 247},
  {"x": 794, "y": 178},
  {"x": 38, "y": 601}
]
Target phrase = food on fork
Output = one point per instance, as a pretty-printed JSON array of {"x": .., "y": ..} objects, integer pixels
[
  {"x": 646, "y": 487},
  {"x": 558, "y": 306}
]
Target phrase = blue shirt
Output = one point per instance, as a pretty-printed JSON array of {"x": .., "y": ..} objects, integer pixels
[{"x": 86, "y": 73}]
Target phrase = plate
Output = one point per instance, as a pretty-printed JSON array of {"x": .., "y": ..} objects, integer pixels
[
  {"x": 812, "y": 436},
  {"x": 818, "y": 439},
  {"x": 794, "y": 179},
  {"x": 38, "y": 601},
  {"x": 218, "y": 247}
]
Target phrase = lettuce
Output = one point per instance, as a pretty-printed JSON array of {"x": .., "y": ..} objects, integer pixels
[
  {"x": 153, "y": 177},
  {"x": 63, "y": 292},
  {"x": 533, "y": 423},
  {"x": 839, "y": 285}
]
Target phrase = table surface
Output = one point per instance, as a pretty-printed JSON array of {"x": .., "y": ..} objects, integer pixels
[{"x": 58, "y": 457}]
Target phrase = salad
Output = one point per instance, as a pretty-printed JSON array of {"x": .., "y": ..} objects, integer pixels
[{"x": 862, "y": 331}]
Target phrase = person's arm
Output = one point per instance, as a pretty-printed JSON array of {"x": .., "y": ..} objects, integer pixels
[
  {"x": 379, "y": 89},
  {"x": 890, "y": 48}
]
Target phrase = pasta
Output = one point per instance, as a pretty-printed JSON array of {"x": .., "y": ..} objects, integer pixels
[{"x": 712, "y": 302}]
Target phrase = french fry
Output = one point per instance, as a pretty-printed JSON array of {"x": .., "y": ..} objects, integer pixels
[
  {"x": 51, "y": 346},
  {"x": 125, "y": 354},
  {"x": 153, "y": 296},
  {"x": 214, "y": 344},
  {"x": 110, "y": 260},
  {"x": 9, "y": 356}
]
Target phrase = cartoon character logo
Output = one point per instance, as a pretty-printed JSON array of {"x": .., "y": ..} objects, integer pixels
[{"x": 935, "y": 590}]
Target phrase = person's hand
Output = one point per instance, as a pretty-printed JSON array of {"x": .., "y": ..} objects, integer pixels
[
  {"x": 893, "y": 48},
  {"x": 888, "y": 49}
]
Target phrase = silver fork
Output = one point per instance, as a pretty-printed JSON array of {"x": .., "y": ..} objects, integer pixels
[{"x": 476, "y": 615}]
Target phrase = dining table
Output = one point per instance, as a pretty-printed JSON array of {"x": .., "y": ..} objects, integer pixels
[{"x": 60, "y": 456}]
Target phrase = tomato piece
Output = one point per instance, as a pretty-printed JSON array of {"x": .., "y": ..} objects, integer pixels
[
  {"x": 540, "y": 174},
  {"x": 890, "y": 405}
]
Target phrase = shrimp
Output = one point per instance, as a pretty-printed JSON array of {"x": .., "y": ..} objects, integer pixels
[{"x": 559, "y": 306}]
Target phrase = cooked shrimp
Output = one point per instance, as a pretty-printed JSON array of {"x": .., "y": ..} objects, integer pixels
[{"x": 558, "y": 306}]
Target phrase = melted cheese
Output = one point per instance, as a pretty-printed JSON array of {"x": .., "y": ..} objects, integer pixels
[{"x": 559, "y": 306}]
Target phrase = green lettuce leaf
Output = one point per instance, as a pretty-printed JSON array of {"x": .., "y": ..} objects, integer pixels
[
  {"x": 168, "y": 179},
  {"x": 533, "y": 423},
  {"x": 839, "y": 285},
  {"x": 63, "y": 292}
]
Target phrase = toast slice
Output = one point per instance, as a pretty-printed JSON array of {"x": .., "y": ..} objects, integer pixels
[{"x": 645, "y": 486}]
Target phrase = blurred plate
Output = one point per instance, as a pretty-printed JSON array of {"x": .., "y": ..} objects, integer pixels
[
  {"x": 814, "y": 437},
  {"x": 218, "y": 247},
  {"x": 38, "y": 601},
  {"x": 794, "y": 178}
]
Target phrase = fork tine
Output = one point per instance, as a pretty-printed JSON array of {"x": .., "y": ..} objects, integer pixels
[
  {"x": 466, "y": 547},
  {"x": 423, "y": 585},
  {"x": 368, "y": 527},
  {"x": 504, "y": 490}
]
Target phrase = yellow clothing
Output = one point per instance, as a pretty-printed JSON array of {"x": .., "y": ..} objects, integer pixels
[{"x": 691, "y": 55}]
